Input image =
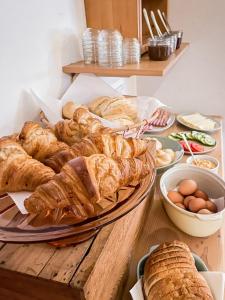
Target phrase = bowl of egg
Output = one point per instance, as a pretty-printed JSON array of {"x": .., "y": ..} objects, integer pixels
[
  {"x": 194, "y": 199},
  {"x": 204, "y": 161}
]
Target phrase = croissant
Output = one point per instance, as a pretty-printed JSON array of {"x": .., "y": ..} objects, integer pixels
[
  {"x": 39, "y": 142},
  {"x": 83, "y": 181},
  {"x": 112, "y": 145},
  {"x": 18, "y": 171},
  {"x": 83, "y": 123}
]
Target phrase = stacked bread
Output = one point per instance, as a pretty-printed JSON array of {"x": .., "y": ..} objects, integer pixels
[
  {"x": 170, "y": 274},
  {"x": 121, "y": 110}
]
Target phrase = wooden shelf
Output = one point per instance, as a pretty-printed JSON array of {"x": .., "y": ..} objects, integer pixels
[{"x": 145, "y": 68}]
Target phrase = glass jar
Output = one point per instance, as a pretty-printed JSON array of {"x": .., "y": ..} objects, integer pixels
[
  {"x": 110, "y": 48},
  {"x": 159, "y": 48},
  {"x": 89, "y": 44},
  {"x": 131, "y": 51}
]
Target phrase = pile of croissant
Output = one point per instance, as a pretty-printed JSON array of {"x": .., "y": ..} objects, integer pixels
[{"x": 75, "y": 164}]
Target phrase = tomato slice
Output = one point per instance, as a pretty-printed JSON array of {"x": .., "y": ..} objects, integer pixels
[
  {"x": 196, "y": 147},
  {"x": 184, "y": 146}
]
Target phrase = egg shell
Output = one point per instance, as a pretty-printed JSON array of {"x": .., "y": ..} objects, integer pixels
[
  {"x": 175, "y": 197},
  {"x": 201, "y": 194},
  {"x": 180, "y": 205},
  {"x": 187, "y": 187},
  {"x": 196, "y": 204},
  {"x": 187, "y": 200},
  {"x": 204, "y": 211},
  {"x": 211, "y": 206}
]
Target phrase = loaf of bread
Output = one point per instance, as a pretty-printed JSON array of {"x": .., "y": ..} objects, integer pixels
[
  {"x": 120, "y": 109},
  {"x": 170, "y": 274}
]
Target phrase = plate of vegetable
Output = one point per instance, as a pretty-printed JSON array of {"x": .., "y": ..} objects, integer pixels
[{"x": 199, "y": 142}]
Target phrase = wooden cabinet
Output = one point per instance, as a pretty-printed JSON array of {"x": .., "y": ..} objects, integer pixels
[{"x": 124, "y": 15}]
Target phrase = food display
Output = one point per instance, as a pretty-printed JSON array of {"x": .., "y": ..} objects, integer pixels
[
  {"x": 90, "y": 170},
  {"x": 170, "y": 273},
  {"x": 199, "y": 142},
  {"x": 197, "y": 121},
  {"x": 189, "y": 197}
]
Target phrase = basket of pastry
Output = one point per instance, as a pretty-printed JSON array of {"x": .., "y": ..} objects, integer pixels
[
  {"x": 171, "y": 271},
  {"x": 71, "y": 178}
]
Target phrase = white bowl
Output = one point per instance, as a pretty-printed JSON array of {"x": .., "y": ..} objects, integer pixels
[
  {"x": 207, "y": 157},
  {"x": 191, "y": 223}
]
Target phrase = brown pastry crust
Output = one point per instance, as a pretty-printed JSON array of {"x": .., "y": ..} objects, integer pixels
[
  {"x": 170, "y": 273},
  {"x": 39, "y": 142},
  {"x": 18, "y": 171},
  {"x": 84, "y": 181}
]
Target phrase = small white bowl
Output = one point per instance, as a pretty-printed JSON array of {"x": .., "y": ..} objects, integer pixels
[
  {"x": 206, "y": 157},
  {"x": 189, "y": 222}
]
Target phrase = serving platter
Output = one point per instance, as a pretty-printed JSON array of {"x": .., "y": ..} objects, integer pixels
[
  {"x": 18, "y": 228},
  {"x": 207, "y": 149},
  {"x": 179, "y": 120},
  {"x": 168, "y": 144}
]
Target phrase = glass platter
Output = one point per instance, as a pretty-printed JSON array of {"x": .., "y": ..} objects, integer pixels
[{"x": 18, "y": 228}]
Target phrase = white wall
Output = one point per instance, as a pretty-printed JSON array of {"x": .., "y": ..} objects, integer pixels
[
  {"x": 37, "y": 38},
  {"x": 197, "y": 82}
]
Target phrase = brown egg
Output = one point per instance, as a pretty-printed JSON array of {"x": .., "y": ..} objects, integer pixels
[
  {"x": 175, "y": 197},
  {"x": 180, "y": 205},
  {"x": 187, "y": 200},
  {"x": 204, "y": 211},
  {"x": 201, "y": 194},
  {"x": 211, "y": 206},
  {"x": 196, "y": 204},
  {"x": 187, "y": 187}
]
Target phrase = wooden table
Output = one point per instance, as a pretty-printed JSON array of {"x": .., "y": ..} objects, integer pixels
[{"x": 103, "y": 267}]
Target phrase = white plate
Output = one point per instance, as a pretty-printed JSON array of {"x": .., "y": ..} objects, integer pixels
[
  {"x": 207, "y": 148},
  {"x": 217, "y": 126},
  {"x": 170, "y": 123}
]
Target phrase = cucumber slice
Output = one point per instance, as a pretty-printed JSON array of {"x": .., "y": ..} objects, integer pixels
[
  {"x": 173, "y": 138},
  {"x": 204, "y": 138},
  {"x": 188, "y": 135}
]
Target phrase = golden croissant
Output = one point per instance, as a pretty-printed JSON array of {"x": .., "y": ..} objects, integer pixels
[
  {"x": 83, "y": 123},
  {"x": 112, "y": 145},
  {"x": 18, "y": 171},
  {"x": 39, "y": 142},
  {"x": 84, "y": 181}
]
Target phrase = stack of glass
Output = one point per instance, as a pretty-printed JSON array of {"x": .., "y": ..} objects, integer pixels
[
  {"x": 110, "y": 48},
  {"x": 89, "y": 44},
  {"x": 131, "y": 51}
]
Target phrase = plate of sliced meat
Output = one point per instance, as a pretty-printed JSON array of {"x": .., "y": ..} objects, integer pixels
[{"x": 164, "y": 120}]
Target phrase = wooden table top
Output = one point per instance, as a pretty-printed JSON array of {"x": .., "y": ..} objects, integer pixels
[
  {"x": 105, "y": 265},
  {"x": 158, "y": 228}
]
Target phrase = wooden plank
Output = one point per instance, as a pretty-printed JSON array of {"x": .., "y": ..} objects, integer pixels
[
  {"x": 145, "y": 68},
  {"x": 113, "y": 14},
  {"x": 116, "y": 251},
  {"x": 28, "y": 258},
  {"x": 17, "y": 286},
  {"x": 63, "y": 264},
  {"x": 87, "y": 265}
]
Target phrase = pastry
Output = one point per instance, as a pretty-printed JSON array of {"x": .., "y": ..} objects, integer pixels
[
  {"x": 39, "y": 142},
  {"x": 69, "y": 109},
  {"x": 18, "y": 171},
  {"x": 112, "y": 145},
  {"x": 84, "y": 181},
  {"x": 115, "y": 108},
  {"x": 82, "y": 124},
  {"x": 170, "y": 273}
]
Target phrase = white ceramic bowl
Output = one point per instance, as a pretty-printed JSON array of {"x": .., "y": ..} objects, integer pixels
[
  {"x": 193, "y": 224},
  {"x": 207, "y": 157}
]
